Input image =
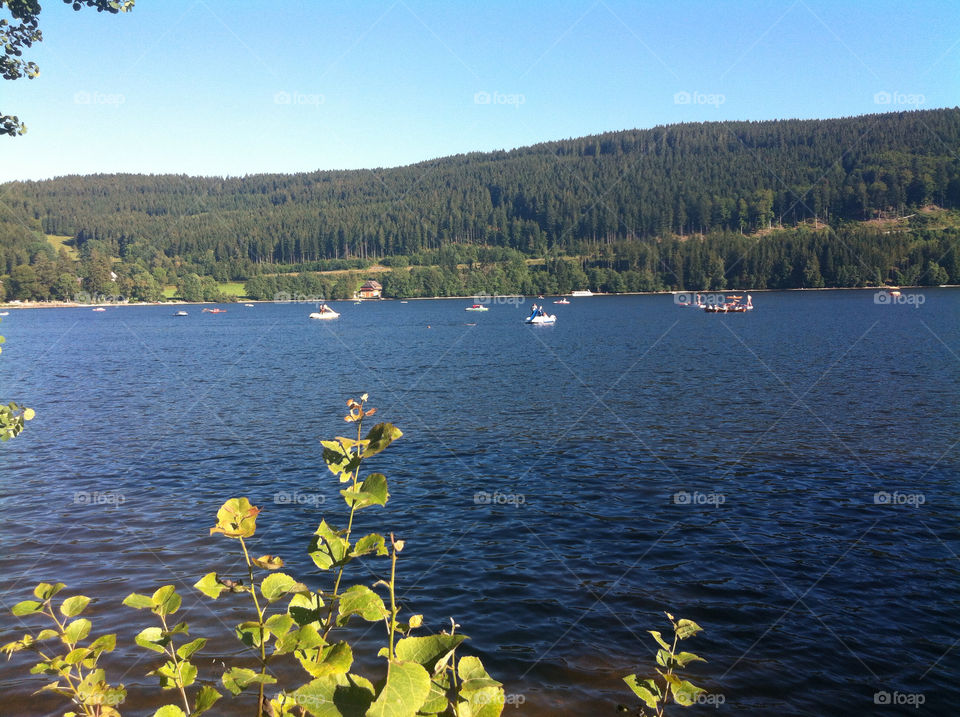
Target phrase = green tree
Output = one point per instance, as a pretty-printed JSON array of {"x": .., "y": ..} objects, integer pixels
[{"x": 21, "y": 31}]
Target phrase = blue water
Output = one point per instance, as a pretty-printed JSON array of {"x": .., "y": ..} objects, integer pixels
[{"x": 788, "y": 478}]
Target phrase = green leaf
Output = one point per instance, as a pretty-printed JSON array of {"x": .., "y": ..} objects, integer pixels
[
  {"x": 236, "y": 519},
  {"x": 165, "y": 600},
  {"x": 372, "y": 543},
  {"x": 173, "y": 675},
  {"x": 76, "y": 631},
  {"x": 646, "y": 690},
  {"x": 429, "y": 650},
  {"x": 372, "y": 491},
  {"x": 45, "y": 591},
  {"x": 361, "y": 600},
  {"x": 687, "y": 628},
  {"x": 276, "y": 585},
  {"x": 210, "y": 586},
  {"x": 684, "y": 693},
  {"x": 75, "y": 605},
  {"x": 305, "y": 609},
  {"x": 169, "y": 711},
  {"x": 250, "y": 633},
  {"x": 152, "y": 638},
  {"x": 138, "y": 601},
  {"x": 185, "y": 651},
  {"x": 328, "y": 548},
  {"x": 77, "y": 655},
  {"x": 406, "y": 689},
  {"x": 380, "y": 436},
  {"x": 333, "y": 659},
  {"x": 237, "y": 679},
  {"x": 305, "y": 638},
  {"x": 27, "y": 607},
  {"x": 206, "y": 698},
  {"x": 104, "y": 643},
  {"x": 473, "y": 676},
  {"x": 279, "y": 625},
  {"x": 339, "y": 459},
  {"x": 336, "y": 696},
  {"x": 268, "y": 562},
  {"x": 659, "y": 639},
  {"x": 682, "y": 659}
]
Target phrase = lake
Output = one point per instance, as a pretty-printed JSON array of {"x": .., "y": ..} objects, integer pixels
[{"x": 788, "y": 478}]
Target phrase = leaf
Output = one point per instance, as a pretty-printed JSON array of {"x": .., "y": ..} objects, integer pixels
[
  {"x": 185, "y": 651},
  {"x": 210, "y": 586},
  {"x": 276, "y": 585},
  {"x": 372, "y": 491},
  {"x": 339, "y": 460},
  {"x": 361, "y": 600},
  {"x": 305, "y": 609},
  {"x": 473, "y": 676},
  {"x": 138, "y": 601},
  {"x": 372, "y": 543},
  {"x": 206, "y": 698},
  {"x": 659, "y": 639},
  {"x": 328, "y": 548},
  {"x": 152, "y": 638},
  {"x": 169, "y": 711},
  {"x": 380, "y": 436},
  {"x": 76, "y": 631},
  {"x": 237, "y": 679},
  {"x": 250, "y": 633},
  {"x": 646, "y": 690},
  {"x": 684, "y": 693},
  {"x": 173, "y": 676},
  {"x": 165, "y": 600},
  {"x": 27, "y": 607},
  {"x": 104, "y": 643},
  {"x": 279, "y": 625},
  {"x": 268, "y": 562},
  {"x": 333, "y": 659},
  {"x": 687, "y": 628},
  {"x": 236, "y": 519},
  {"x": 406, "y": 689},
  {"x": 336, "y": 696},
  {"x": 428, "y": 650},
  {"x": 45, "y": 591},
  {"x": 682, "y": 659}
]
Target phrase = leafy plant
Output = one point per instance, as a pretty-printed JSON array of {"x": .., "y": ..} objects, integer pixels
[
  {"x": 657, "y": 693},
  {"x": 72, "y": 663},
  {"x": 12, "y": 416}
]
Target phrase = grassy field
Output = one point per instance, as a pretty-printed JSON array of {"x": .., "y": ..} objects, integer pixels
[
  {"x": 230, "y": 288},
  {"x": 60, "y": 242}
]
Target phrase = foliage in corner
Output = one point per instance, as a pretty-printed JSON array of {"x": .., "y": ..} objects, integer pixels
[
  {"x": 12, "y": 415},
  {"x": 657, "y": 692}
]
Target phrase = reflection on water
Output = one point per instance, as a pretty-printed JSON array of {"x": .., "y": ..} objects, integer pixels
[{"x": 786, "y": 478}]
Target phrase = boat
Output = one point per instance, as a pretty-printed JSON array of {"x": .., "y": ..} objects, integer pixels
[
  {"x": 539, "y": 316},
  {"x": 214, "y": 311},
  {"x": 562, "y": 301},
  {"x": 325, "y": 312},
  {"x": 181, "y": 313},
  {"x": 249, "y": 305},
  {"x": 4, "y": 313},
  {"x": 581, "y": 292},
  {"x": 477, "y": 307},
  {"x": 732, "y": 305},
  {"x": 99, "y": 308}
]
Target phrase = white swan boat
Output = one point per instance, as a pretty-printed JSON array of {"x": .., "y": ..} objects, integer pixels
[
  {"x": 325, "y": 312},
  {"x": 539, "y": 316}
]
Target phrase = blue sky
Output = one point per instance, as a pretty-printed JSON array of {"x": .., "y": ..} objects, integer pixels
[{"x": 214, "y": 87}]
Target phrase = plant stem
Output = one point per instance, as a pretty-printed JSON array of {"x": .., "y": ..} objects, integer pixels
[
  {"x": 178, "y": 664},
  {"x": 263, "y": 641},
  {"x": 393, "y": 599}
]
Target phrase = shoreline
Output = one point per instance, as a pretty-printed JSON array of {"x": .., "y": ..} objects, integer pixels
[{"x": 6, "y": 306}]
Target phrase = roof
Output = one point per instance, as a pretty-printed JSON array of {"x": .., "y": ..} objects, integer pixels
[{"x": 371, "y": 284}]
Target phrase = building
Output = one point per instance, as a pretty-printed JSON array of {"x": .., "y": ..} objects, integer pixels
[{"x": 370, "y": 290}]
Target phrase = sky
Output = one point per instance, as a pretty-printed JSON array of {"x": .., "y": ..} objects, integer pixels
[{"x": 236, "y": 87}]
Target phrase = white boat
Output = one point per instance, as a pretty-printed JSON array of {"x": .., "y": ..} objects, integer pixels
[
  {"x": 250, "y": 305},
  {"x": 477, "y": 307},
  {"x": 99, "y": 308},
  {"x": 562, "y": 301},
  {"x": 325, "y": 312},
  {"x": 581, "y": 292},
  {"x": 181, "y": 313},
  {"x": 539, "y": 316},
  {"x": 4, "y": 313}
]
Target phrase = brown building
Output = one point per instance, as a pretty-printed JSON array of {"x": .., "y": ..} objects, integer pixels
[{"x": 370, "y": 290}]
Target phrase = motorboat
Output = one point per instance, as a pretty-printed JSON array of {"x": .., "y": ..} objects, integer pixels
[
  {"x": 539, "y": 316},
  {"x": 214, "y": 311},
  {"x": 324, "y": 312},
  {"x": 181, "y": 313},
  {"x": 732, "y": 305},
  {"x": 581, "y": 292},
  {"x": 249, "y": 305},
  {"x": 4, "y": 313},
  {"x": 562, "y": 301},
  {"x": 477, "y": 307},
  {"x": 99, "y": 308}
]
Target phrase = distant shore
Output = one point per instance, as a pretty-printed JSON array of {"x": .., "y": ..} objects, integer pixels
[{"x": 177, "y": 302}]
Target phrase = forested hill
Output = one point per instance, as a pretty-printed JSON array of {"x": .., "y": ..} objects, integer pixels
[
  {"x": 679, "y": 179},
  {"x": 627, "y": 202}
]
